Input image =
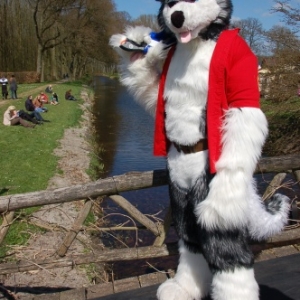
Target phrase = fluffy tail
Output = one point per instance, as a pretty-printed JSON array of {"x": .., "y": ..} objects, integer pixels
[{"x": 269, "y": 217}]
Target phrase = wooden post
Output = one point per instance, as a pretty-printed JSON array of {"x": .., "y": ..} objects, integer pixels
[
  {"x": 164, "y": 229},
  {"x": 274, "y": 184},
  {"x": 7, "y": 219},
  {"x": 297, "y": 175},
  {"x": 135, "y": 213},
  {"x": 70, "y": 237}
]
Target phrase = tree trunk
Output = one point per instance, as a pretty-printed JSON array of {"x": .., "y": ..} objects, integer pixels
[{"x": 39, "y": 63}]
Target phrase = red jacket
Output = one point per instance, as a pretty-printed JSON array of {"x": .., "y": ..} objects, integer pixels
[{"x": 232, "y": 83}]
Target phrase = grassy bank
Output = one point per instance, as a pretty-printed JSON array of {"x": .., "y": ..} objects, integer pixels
[
  {"x": 27, "y": 159},
  {"x": 284, "y": 126}
]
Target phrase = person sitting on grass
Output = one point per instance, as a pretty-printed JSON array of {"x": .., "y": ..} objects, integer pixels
[
  {"x": 39, "y": 105},
  {"x": 49, "y": 89},
  {"x": 31, "y": 109},
  {"x": 11, "y": 118},
  {"x": 44, "y": 98},
  {"x": 69, "y": 96},
  {"x": 28, "y": 117},
  {"x": 54, "y": 99}
]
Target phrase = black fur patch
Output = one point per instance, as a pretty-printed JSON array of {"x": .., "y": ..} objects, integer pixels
[{"x": 224, "y": 250}]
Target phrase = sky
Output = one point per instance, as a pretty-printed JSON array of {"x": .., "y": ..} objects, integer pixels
[{"x": 259, "y": 9}]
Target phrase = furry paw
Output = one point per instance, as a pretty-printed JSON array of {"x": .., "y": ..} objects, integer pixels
[
  {"x": 138, "y": 35},
  {"x": 171, "y": 290},
  {"x": 225, "y": 205},
  {"x": 115, "y": 41}
]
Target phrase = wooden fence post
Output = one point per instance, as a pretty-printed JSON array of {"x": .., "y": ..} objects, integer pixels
[
  {"x": 274, "y": 184},
  {"x": 7, "y": 219},
  {"x": 70, "y": 237},
  {"x": 135, "y": 213},
  {"x": 164, "y": 229}
]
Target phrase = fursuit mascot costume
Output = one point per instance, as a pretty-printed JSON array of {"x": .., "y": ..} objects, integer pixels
[{"x": 199, "y": 80}]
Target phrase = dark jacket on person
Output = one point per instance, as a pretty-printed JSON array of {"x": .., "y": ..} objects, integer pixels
[{"x": 29, "y": 105}]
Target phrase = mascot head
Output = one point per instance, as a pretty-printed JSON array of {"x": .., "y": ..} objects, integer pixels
[{"x": 188, "y": 19}]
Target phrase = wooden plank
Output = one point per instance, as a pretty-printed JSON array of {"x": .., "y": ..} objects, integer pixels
[
  {"x": 126, "y": 284},
  {"x": 278, "y": 280},
  {"x": 146, "y": 293},
  {"x": 78, "y": 294},
  {"x": 152, "y": 278},
  {"x": 99, "y": 290},
  {"x": 46, "y": 297}
]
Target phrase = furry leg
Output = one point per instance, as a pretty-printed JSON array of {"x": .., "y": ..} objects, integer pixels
[
  {"x": 237, "y": 285},
  {"x": 192, "y": 279}
]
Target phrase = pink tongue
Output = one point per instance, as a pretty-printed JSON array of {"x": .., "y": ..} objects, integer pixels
[{"x": 185, "y": 37}]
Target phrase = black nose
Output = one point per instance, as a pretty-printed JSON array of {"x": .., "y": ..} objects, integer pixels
[{"x": 177, "y": 19}]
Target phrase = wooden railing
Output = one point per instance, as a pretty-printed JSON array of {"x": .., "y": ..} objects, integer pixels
[{"x": 111, "y": 187}]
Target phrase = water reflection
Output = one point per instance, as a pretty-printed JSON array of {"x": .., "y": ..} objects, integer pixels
[{"x": 125, "y": 132}]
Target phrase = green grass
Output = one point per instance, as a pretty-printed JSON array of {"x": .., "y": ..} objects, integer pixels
[
  {"x": 284, "y": 126},
  {"x": 27, "y": 160}
]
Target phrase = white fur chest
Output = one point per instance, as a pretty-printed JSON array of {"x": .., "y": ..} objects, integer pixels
[{"x": 186, "y": 91}]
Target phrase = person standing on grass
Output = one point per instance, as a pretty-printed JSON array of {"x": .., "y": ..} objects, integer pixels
[
  {"x": 4, "y": 83},
  {"x": 11, "y": 118},
  {"x": 13, "y": 87}
]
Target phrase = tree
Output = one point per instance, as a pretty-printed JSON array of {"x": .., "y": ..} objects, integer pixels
[
  {"x": 54, "y": 37},
  {"x": 253, "y": 32},
  {"x": 284, "y": 65},
  {"x": 47, "y": 17},
  {"x": 148, "y": 21},
  {"x": 290, "y": 13}
]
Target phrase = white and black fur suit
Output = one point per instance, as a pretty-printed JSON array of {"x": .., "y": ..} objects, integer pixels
[{"x": 215, "y": 215}]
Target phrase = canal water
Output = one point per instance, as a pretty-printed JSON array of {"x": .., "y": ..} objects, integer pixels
[{"x": 124, "y": 135}]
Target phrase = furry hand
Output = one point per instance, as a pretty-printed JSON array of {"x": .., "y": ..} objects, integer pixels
[
  {"x": 138, "y": 35},
  {"x": 226, "y": 204}
]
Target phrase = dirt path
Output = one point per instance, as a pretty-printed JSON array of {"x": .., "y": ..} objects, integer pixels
[{"x": 74, "y": 160}]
